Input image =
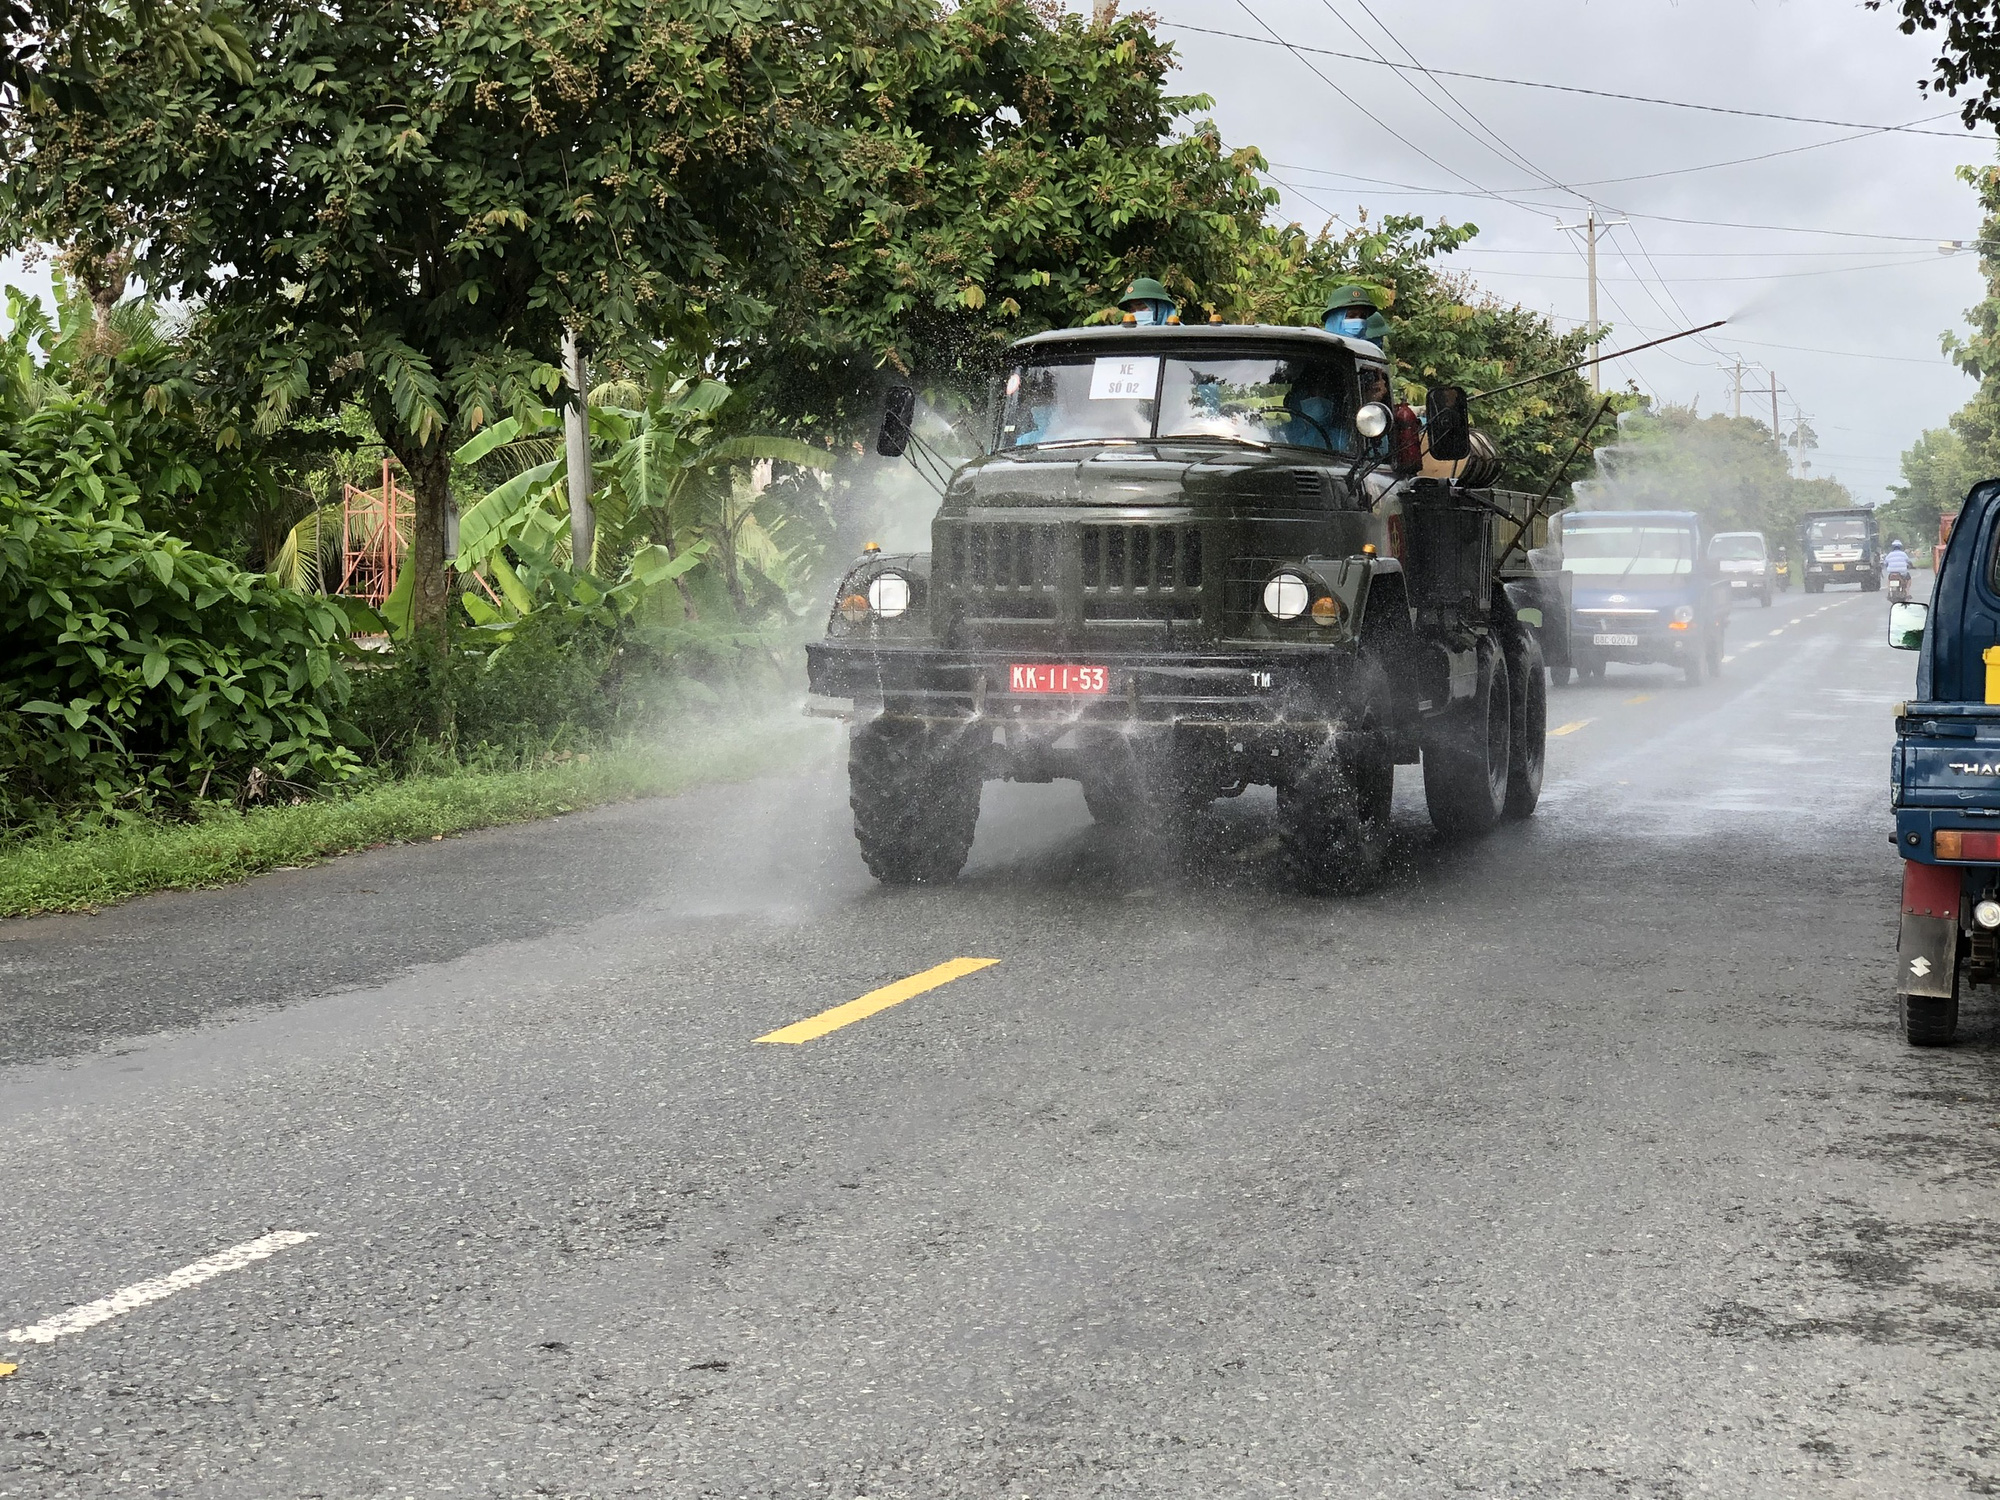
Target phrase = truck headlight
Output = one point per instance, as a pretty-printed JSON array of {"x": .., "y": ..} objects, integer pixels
[
  {"x": 1683, "y": 614},
  {"x": 889, "y": 595},
  {"x": 1286, "y": 596}
]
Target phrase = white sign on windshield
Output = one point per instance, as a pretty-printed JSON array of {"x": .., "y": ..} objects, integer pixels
[{"x": 1126, "y": 378}]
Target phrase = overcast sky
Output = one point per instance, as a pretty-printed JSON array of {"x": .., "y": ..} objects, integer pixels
[
  {"x": 1855, "y": 348},
  {"x": 1849, "y": 321}
]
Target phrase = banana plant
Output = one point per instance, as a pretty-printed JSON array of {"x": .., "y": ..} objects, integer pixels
[{"x": 664, "y": 492}]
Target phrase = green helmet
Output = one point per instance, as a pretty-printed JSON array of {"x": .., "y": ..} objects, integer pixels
[
  {"x": 1352, "y": 296},
  {"x": 1376, "y": 330},
  {"x": 1145, "y": 289}
]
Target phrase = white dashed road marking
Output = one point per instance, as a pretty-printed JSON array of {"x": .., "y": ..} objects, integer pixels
[{"x": 235, "y": 1258}]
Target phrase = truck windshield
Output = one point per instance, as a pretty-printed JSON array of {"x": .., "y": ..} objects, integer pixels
[
  {"x": 1737, "y": 548},
  {"x": 1636, "y": 552},
  {"x": 1830, "y": 529},
  {"x": 1301, "y": 402}
]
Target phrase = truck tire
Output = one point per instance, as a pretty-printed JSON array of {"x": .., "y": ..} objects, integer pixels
[
  {"x": 1334, "y": 810},
  {"x": 915, "y": 794},
  {"x": 1717, "y": 644},
  {"x": 1764, "y": 599},
  {"x": 1692, "y": 663},
  {"x": 1529, "y": 752},
  {"x": 1467, "y": 755},
  {"x": 1929, "y": 1021}
]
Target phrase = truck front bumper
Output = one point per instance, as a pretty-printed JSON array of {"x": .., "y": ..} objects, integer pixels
[
  {"x": 1296, "y": 685},
  {"x": 1646, "y": 645}
]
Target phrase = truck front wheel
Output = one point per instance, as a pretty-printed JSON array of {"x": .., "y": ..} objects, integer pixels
[
  {"x": 1468, "y": 755},
  {"x": 1334, "y": 810},
  {"x": 915, "y": 794}
]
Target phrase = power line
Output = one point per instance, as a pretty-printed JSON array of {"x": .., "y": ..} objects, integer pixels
[
  {"x": 1507, "y": 152},
  {"x": 1567, "y": 88},
  {"x": 1300, "y": 54}
]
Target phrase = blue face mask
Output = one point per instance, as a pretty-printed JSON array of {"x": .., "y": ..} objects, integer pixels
[
  {"x": 1350, "y": 324},
  {"x": 1146, "y": 314}
]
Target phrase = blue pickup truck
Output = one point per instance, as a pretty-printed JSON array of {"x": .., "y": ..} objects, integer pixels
[{"x": 1945, "y": 779}]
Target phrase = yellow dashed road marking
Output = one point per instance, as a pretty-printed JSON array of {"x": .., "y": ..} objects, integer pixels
[
  {"x": 1570, "y": 728},
  {"x": 874, "y": 1000}
]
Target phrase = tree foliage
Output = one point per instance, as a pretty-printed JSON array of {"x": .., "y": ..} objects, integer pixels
[
  {"x": 406, "y": 201},
  {"x": 140, "y": 672},
  {"x": 1729, "y": 470},
  {"x": 1944, "y": 463},
  {"x": 1968, "y": 59},
  {"x": 1442, "y": 329},
  {"x": 1008, "y": 170}
]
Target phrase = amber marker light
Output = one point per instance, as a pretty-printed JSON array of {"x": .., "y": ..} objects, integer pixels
[
  {"x": 1367, "y": 549},
  {"x": 854, "y": 608},
  {"x": 1326, "y": 610},
  {"x": 1677, "y": 625}
]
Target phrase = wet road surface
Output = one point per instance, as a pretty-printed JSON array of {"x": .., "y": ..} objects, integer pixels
[{"x": 1587, "y": 1161}]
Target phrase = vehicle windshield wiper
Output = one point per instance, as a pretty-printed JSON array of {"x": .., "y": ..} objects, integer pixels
[{"x": 1086, "y": 443}]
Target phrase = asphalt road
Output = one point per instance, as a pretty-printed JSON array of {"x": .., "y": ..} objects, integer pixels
[{"x": 1587, "y": 1161}]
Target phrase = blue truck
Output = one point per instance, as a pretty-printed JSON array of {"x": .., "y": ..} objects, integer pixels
[
  {"x": 1945, "y": 779},
  {"x": 1644, "y": 589}
]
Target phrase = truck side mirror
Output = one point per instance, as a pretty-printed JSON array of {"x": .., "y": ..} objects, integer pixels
[
  {"x": 1906, "y": 625},
  {"x": 899, "y": 410},
  {"x": 1448, "y": 423}
]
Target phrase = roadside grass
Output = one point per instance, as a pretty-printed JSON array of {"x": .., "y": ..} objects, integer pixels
[{"x": 58, "y": 874}]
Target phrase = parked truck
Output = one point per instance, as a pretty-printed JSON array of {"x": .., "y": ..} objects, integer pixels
[
  {"x": 1945, "y": 779},
  {"x": 1192, "y": 560}
]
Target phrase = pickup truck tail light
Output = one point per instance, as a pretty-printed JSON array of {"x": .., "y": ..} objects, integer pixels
[{"x": 1959, "y": 843}]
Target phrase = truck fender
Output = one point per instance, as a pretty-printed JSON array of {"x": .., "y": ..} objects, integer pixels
[{"x": 1927, "y": 940}]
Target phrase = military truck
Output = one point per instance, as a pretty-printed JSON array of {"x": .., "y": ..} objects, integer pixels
[{"x": 1192, "y": 560}]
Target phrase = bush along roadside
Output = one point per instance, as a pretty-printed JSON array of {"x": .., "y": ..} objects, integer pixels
[{"x": 52, "y": 873}]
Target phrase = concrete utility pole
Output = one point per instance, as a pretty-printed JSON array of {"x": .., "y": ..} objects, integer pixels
[
  {"x": 576, "y": 446},
  {"x": 1758, "y": 390},
  {"x": 1736, "y": 388},
  {"x": 1590, "y": 226}
]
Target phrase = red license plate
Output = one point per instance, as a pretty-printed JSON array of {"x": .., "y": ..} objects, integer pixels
[{"x": 1022, "y": 678}]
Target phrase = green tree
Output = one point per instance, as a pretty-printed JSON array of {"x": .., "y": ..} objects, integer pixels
[
  {"x": 1729, "y": 470},
  {"x": 1969, "y": 58},
  {"x": 1008, "y": 171},
  {"x": 407, "y": 200},
  {"x": 1442, "y": 329},
  {"x": 1938, "y": 470}
]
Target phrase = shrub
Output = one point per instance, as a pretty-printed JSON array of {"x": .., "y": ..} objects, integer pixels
[{"x": 140, "y": 673}]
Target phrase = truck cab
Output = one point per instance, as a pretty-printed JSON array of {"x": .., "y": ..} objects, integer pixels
[
  {"x": 1945, "y": 779},
  {"x": 1642, "y": 589},
  {"x": 1195, "y": 559},
  {"x": 1840, "y": 546}
]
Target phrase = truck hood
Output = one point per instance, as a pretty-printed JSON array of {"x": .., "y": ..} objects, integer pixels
[{"x": 1148, "y": 473}]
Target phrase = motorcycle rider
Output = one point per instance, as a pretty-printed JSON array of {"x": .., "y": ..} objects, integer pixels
[{"x": 1896, "y": 570}]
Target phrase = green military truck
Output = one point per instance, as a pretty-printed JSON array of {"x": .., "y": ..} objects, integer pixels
[{"x": 1195, "y": 559}]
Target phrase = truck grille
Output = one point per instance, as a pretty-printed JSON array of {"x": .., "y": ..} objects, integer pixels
[{"x": 1125, "y": 570}]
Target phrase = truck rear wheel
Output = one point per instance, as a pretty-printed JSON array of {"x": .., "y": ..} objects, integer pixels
[
  {"x": 1529, "y": 752},
  {"x": 1467, "y": 755},
  {"x": 915, "y": 793},
  {"x": 1929, "y": 1021}
]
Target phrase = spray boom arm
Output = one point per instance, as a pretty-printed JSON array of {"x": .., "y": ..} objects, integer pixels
[{"x": 1596, "y": 359}]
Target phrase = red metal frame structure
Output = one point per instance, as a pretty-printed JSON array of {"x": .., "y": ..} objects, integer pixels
[{"x": 372, "y": 531}]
